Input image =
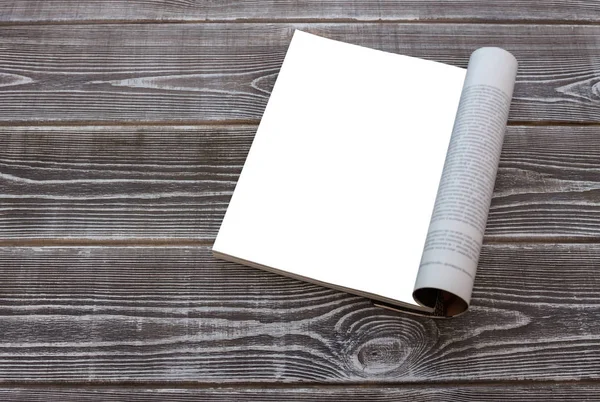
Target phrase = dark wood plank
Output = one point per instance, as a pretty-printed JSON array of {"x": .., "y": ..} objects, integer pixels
[
  {"x": 269, "y": 10},
  {"x": 215, "y": 72},
  {"x": 157, "y": 182},
  {"x": 547, "y": 186},
  {"x": 462, "y": 393},
  {"x": 118, "y": 182},
  {"x": 171, "y": 314}
]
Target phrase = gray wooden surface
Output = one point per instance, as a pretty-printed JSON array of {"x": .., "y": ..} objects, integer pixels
[{"x": 123, "y": 128}]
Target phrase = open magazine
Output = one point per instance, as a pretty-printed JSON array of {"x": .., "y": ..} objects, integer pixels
[{"x": 373, "y": 173}]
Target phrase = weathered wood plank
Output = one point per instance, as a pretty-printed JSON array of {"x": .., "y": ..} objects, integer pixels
[
  {"x": 175, "y": 314},
  {"x": 160, "y": 182},
  {"x": 547, "y": 187},
  {"x": 406, "y": 393},
  {"x": 215, "y": 72},
  {"x": 118, "y": 182},
  {"x": 269, "y": 10}
]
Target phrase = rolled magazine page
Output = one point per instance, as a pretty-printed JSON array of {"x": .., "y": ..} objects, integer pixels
[{"x": 455, "y": 235}]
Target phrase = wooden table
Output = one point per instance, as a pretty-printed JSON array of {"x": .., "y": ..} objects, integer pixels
[{"x": 123, "y": 128}]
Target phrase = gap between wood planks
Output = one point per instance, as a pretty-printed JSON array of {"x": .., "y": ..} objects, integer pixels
[
  {"x": 447, "y": 21},
  {"x": 474, "y": 384},
  {"x": 238, "y": 123},
  {"x": 183, "y": 242}
]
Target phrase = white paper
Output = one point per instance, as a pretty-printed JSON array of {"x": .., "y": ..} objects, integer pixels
[{"x": 341, "y": 179}]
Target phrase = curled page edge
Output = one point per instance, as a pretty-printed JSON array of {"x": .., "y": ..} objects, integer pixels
[{"x": 445, "y": 278}]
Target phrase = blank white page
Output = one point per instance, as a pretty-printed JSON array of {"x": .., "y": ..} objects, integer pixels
[{"x": 341, "y": 178}]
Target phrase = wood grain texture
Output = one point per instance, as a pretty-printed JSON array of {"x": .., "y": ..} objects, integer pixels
[
  {"x": 406, "y": 393},
  {"x": 280, "y": 10},
  {"x": 160, "y": 182},
  {"x": 224, "y": 72},
  {"x": 171, "y": 323},
  {"x": 116, "y": 183},
  {"x": 175, "y": 314}
]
